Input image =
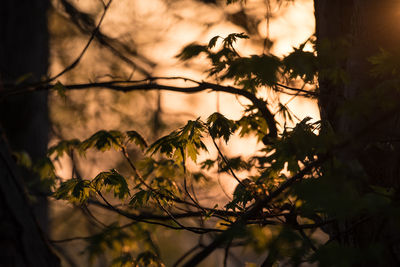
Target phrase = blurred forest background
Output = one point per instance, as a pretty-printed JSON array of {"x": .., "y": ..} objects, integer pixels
[
  {"x": 140, "y": 39},
  {"x": 136, "y": 40},
  {"x": 122, "y": 112}
]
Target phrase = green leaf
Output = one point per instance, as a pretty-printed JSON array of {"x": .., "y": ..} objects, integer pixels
[
  {"x": 46, "y": 171},
  {"x": 213, "y": 41},
  {"x": 125, "y": 260},
  {"x": 220, "y": 126},
  {"x": 65, "y": 146},
  {"x": 210, "y": 212},
  {"x": 200, "y": 176},
  {"x": 140, "y": 198},
  {"x": 74, "y": 190},
  {"x": 207, "y": 164},
  {"x": 65, "y": 188},
  {"x": 164, "y": 144},
  {"x": 190, "y": 51},
  {"x": 81, "y": 190},
  {"x": 186, "y": 142},
  {"x": 103, "y": 141},
  {"x": 112, "y": 180},
  {"x": 301, "y": 64},
  {"x": 263, "y": 70},
  {"x": 242, "y": 195},
  {"x": 135, "y": 137},
  {"x": 252, "y": 124},
  {"x": 301, "y": 144},
  {"x": 232, "y": 38},
  {"x": 60, "y": 89},
  {"x": 22, "y": 159},
  {"x": 148, "y": 258},
  {"x": 235, "y": 163}
]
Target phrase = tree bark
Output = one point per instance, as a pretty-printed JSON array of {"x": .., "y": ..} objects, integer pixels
[{"x": 348, "y": 33}]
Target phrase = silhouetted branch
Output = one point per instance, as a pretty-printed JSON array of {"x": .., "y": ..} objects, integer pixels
[
  {"x": 186, "y": 254},
  {"x": 197, "y": 230},
  {"x": 86, "y": 25},
  {"x": 130, "y": 86},
  {"x": 78, "y": 59},
  {"x": 188, "y": 214},
  {"x": 77, "y": 238},
  {"x": 297, "y": 90}
]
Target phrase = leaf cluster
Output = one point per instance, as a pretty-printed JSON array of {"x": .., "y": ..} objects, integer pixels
[
  {"x": 295, "y": 185},
  {"x": 256, "y": 70}
]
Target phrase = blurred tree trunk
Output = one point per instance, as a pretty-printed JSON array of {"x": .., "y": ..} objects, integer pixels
[
  {"x": 348, "y": 33},
  {"x": 24, "y": 52},
  {"x": 21, "y": 240}
]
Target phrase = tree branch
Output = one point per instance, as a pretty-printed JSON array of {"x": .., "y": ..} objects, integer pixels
[
  {"x": 78, "y": 59},
  {"x": 148, "y": 84},
  {"x": 297, "y": 90},
  {"x": 86, "y": 25}
]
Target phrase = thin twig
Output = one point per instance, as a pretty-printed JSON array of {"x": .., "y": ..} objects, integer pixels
[
  {"x": 176, "y": 221},
  {"x": 138, "y": 176},
  {"x": 91, "y": 217},
  {"x": 77, "y": 238},
  {"x": 187, "y": 253},
  {"x": 136, "y": 218},
  {"x": 227, "y": 163},
  {"x": 298, "y": 90},
  {"x": 78, "y": 59},
  {"x": 226, "y": 254}
]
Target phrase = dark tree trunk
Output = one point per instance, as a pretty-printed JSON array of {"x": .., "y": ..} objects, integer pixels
[
  {"x": 24, "y": 51},
  {"x": 348, "y": 33},
  {"x": 21, "y": 239}
]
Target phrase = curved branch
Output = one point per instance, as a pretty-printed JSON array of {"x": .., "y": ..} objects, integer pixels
[
  {"x": 92, "y": 36},
  {"x": 152, "y": 216},
  {"x": 297, "y": 90},
  {"x": 129, "y": 86},
  {"x": 197, "y": 230},
  {"x": 186, "y": 254},
  {"x": 85, "y": 23}
]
